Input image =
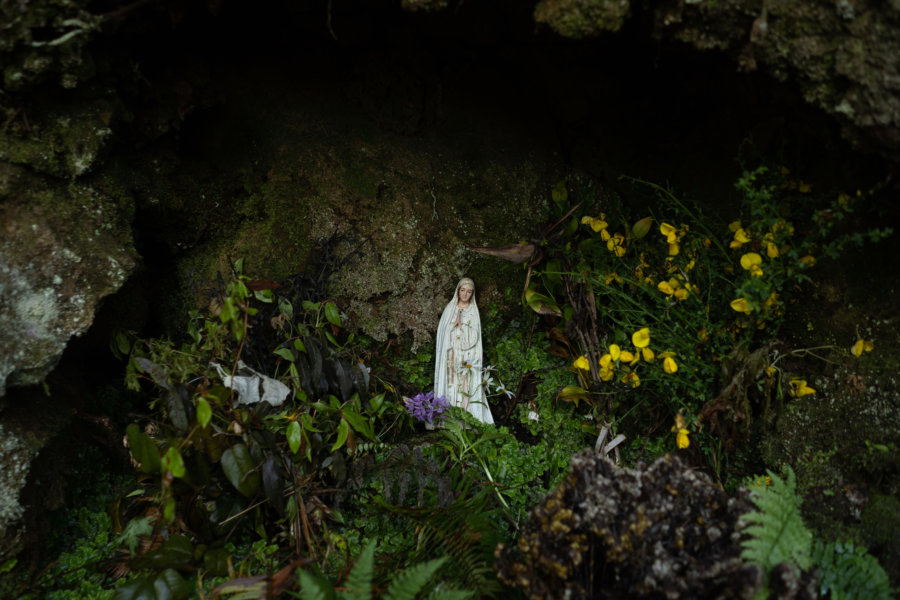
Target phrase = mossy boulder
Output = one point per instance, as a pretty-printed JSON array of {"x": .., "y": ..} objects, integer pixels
[
  {"x": 387, "y": 219},
  {"x": 63, "y": 247}
]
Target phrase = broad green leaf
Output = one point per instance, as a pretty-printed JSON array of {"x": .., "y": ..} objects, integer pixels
[
  {"x": 377, "y": 401},
  {"x": 286, "y": 307},
  {"x": 310, "y": 306},
  {"x": 298, "y": 345},
  {"x": 285, "y": 353},
  {"x": 169, "y": 510},
  {"x": 331, "y": 338},
  {"x": 332, "y": 314},
  {"x": 240, "y": 470},
  {"x": 204, "y": 412},
  {"x": 641, "y": 228},
  {"x": 143, "y": 449},
  {"x": 358, "y": 422},
  {"x": 307, "y": 421},
  {"x": 294, "y": 436},
  {"x": 343, "y": 432},
  {"x": 173, "y": 462}
]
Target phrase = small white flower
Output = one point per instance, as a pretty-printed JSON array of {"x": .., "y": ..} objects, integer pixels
[
  {"x": 502, "y": 389},
  {"x": 533, "y": 416}
]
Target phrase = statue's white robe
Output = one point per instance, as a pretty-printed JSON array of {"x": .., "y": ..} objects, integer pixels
[{"x": 458, "y": 360}]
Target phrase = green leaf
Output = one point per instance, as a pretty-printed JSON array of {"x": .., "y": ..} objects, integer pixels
[
  {"x": 173, "y": 462},
  {"x": 332, "y": 314},
  {"x": 298, "y": 345},
  {"x": 307, "y": 421},
  {"x": 143, "y": 449},
  {"x": 204, "y": 412},
  {"x": 240, "y": 470},
  {"x": 343, "y": 432},
  {"x": 294, "y": 436},
  {"x": 358, "y": 422},
  {"x": 310, "y": 306},
  {"x": 377, "y": 401},
  {"x": 285, "y": 353}
]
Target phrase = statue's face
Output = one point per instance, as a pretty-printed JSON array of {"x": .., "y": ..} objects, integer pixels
[{"x": 465, "y": 293}]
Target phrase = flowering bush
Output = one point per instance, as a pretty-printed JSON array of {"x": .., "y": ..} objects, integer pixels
[{"x": 686, "y": 309}]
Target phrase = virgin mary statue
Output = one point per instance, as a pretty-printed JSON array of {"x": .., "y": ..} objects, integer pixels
[{"x": 457, "y": 372}]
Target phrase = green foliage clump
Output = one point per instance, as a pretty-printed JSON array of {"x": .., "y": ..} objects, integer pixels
[
  {"x": 777, "y": 535},
  {"x": 685, "y": 309}
]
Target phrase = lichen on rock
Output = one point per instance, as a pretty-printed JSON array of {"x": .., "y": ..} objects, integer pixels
[{"x": 62, "y": 249}]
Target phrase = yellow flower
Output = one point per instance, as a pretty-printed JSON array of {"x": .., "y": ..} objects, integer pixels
[
  {"x": 681, "y": 439},
  {"x": 679, "y": 422},
  {"x": 861, "y": 346},
  {"x": 605, "y": 361},
  {"x": 669, "y": 365},
  {"x": 799, "y": 388},
  {"x": 674, "y": 250},
  {"x": 750, "y": 262},
  {"x": 604, "y": 235},
  {"x": 641, "y": 338},
  {"x": 741, "y": 237},
  {"x": 606, "y": 374},
  {"x": 629, "y": 357},
  {"x": 581, "y": 363},
  {"x": 616, "y": 245},
  {"x": 595, "y": 224},
  {"x": 647, "y": 354},
  {"x": 615, "y": 352},
  {"x": 741, "y": 305},
  {"x": 734, "y": 226},
  {"x": 681, "y": 293},
  {"x": 770, "y": 371},
  {"x": 613, "y": 277},
  {"x": 632, "y": 378},
  {"x": 808, "y": 260},
  {"x": 668, "y": 231}
]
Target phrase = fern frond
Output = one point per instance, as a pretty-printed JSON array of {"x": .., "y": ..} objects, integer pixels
[
  {"x": 410, "y": 582},
  {"x": 315, "y": 588},
  {"x": 849, "y": 573},
  {"x": 450, "y": 595},
  {"x": 359, "y": 582},
  {"x": 460, "y": 531},
  {"x": 776, "y": 531}
]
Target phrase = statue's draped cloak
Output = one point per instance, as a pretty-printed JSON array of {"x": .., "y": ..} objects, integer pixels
[{"x": 458, "y": 358}]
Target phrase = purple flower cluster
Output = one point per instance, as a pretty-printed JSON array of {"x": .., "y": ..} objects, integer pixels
[{"x": 424, "y": 407}]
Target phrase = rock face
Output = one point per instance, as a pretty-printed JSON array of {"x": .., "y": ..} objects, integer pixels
[
  {"x": 607, "y": 532},
  {"x": 842, "y": 55},
  {"x": 63, "y": 247}
]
